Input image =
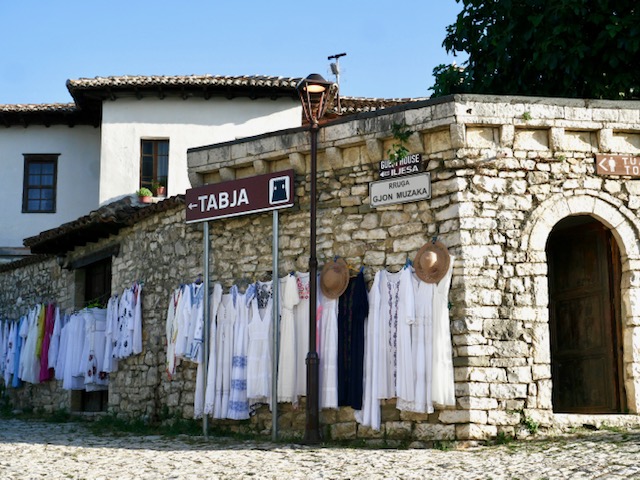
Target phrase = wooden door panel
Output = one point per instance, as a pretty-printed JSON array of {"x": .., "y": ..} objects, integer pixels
[
  {"x": 578, "y": 324},
  {"x": 583, "y": 358}
]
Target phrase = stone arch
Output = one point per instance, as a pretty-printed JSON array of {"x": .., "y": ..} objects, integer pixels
[{"x": 625, "y": 227}]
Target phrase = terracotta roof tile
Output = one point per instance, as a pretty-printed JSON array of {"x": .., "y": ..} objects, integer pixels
[{"x": 101, "y": 223}]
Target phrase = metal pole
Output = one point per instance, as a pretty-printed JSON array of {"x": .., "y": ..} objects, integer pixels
[
  {"x": 276, "y": 332},
  {"x": 207, "y": 319},
  {"x": 312, "y": 428}
]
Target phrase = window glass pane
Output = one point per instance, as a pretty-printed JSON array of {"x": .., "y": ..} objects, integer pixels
[
  {"x": 47, "y": 168},
  {"x": 147, "y": 168},
  {"x": 47, "y": 193},
  {"x": 47, "y": 180},
  {"x": 163, "y": 149},
  {"x": 33, "y": 194},
  {"x": 163, "y": 168},
  {"x": 34, "y": 180},
  {"x": 47, "y": 205},
  {"x": 147, "y": 147},
  {"x": 35, "y": 168},
  {"x": 33, "y": 205}
]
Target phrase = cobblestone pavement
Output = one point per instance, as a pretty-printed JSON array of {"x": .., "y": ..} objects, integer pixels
[{"x": 35, "y": 450}]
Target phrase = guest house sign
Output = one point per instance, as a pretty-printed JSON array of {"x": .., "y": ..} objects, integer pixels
[
  {"x": 405, "y": 166},
  {"x": 618, "y": 165},
  {"x": 240, "y": 197}
]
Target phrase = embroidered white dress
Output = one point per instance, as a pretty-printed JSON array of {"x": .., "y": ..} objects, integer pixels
[
  {"x": 287, "y": 367},
  {"x": 388, "y": 370},
  {"x": 259, "y": 352},
  {"x": 238, "y": 401},
  {"x": 301, "y": 319},
  {"x": 421, "y": 349},
  {"x": 443, "y": 390},
  {"x": 205, "y": 405},
  {"x": 227, "y": 313}
]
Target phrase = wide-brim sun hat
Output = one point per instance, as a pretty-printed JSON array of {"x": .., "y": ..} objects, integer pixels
[
  {"x": 432, "y": 262},
  {"x": 334, "y": 278}
]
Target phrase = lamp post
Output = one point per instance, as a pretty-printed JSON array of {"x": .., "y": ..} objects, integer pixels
[{"x": 315, "y": 94}]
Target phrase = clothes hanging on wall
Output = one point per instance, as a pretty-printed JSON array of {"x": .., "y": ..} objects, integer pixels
[
  {"x": 301, "y": 319},
  {"x": 259, "y": 350},
  {"x": 123, "y": 327},
  {"x": 353, "y": 309},
  {"x": 287, "y": 366},
  {"x": 405, "y": 352}
]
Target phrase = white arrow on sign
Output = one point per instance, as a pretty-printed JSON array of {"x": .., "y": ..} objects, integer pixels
[
  {"x": 602, "y": 164},
  {"x": 192, "y": 206}
]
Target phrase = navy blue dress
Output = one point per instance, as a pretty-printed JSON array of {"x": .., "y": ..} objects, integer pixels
[{"x": 353, "y": 308}]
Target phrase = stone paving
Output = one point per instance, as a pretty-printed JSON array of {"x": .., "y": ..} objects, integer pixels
[{"x": 39, "y": 450}]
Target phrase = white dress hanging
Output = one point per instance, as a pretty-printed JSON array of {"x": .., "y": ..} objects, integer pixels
[
  {"x": 259, "y": 351},
  {"x": 287, "y": 367},
  {"x": 443, "y": 391}
]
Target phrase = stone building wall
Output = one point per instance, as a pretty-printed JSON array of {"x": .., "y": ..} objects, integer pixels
[{"x": 504, "y": 172}]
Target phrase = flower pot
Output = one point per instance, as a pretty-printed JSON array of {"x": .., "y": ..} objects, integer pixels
[
  {"x": 161, "y": 191},
  {"x": 145, "y": 199}
]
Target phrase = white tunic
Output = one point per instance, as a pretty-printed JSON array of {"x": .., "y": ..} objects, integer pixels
[
  {"x": 238, "y": 401},
  {"x": 443, "y": 390},
  {"x": 259, "y": 353},
  {"x": 388, "y": 369},
  {"x": 421, "y": 349},
  {"x": 287, "y": 367},
  {"x": 301, "y": 319},
  {"x": 328, "y": 353},
  {"x": 227, "y": 313}
]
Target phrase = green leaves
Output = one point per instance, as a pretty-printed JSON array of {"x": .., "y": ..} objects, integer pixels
[{"x": 571, "y": 48}]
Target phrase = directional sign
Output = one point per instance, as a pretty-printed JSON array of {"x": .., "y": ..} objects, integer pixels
[
  {"x": 240, "y": 197},
  {"x": 400, "y": 190},
  {"x": 405, "y": 166},
  {"x": 618, "y": 165}
]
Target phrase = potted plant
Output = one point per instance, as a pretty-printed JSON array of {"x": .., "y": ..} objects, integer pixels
[
  {"x": 159, "y": 188},
  {"x": 144, "y": 195}
]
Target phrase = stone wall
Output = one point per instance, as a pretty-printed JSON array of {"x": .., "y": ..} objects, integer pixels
[{"x": 504, "y": 172}]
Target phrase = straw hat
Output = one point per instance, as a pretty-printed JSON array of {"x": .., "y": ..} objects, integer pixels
[
  {"x": 432, "y": 262},
  {"x": 334, "y": 278}
]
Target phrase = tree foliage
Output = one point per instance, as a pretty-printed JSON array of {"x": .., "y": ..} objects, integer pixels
[{"x": 569, "y": 48}]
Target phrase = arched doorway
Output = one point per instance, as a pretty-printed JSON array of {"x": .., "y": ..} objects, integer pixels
[{"x": 584, "y": 317}]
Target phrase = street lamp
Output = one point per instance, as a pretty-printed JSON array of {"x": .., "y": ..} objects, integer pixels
[{"x": 315, "y": 94}]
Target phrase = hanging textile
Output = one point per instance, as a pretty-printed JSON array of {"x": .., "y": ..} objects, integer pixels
[
  {"x": 259, "y": 350},
  {"x": 352, "y": 313},
  {"x": 287, "y": 367}
]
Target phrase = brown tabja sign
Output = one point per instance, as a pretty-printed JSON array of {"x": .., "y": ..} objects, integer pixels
[
  {"x": 256, "y": 194},
  {"x": 618, "y": 165}
]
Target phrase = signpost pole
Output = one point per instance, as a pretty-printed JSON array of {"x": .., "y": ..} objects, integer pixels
[
  {"x": 276, "y": 331},
  {"x": 207, "y": 319}
]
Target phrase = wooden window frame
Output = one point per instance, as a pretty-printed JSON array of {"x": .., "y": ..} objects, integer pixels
[
  {"x": 155, "y": 142},
  {"x": 30, "y": 159}
]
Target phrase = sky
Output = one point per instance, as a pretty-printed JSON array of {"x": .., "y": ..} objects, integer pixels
[{"x": 391, "y": 47}]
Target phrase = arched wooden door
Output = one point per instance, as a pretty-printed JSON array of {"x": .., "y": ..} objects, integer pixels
[{"x": 584, "y": 321}]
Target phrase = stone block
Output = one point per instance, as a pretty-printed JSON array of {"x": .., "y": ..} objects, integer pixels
[
  {"x": 536, "y": 140},
  {"x": 433, "y": 432},
  {"x": 463, "y": 416},
  {"x": 343, "y": 431},
  {"x": 476, "y": 432},
  {"x": 457, "y": 132},
  {"x": 508, "y": 391},
  {"x": 471, "y": 389},
  {"x": 487, "y": 374},
  {"x": 438, "y": 141},
  {"x": 579, "y": 141},
  {"x": 398, "y": 430},
  {"x": 481, "y": 137},
  {"x": 501, "y": 417}
]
